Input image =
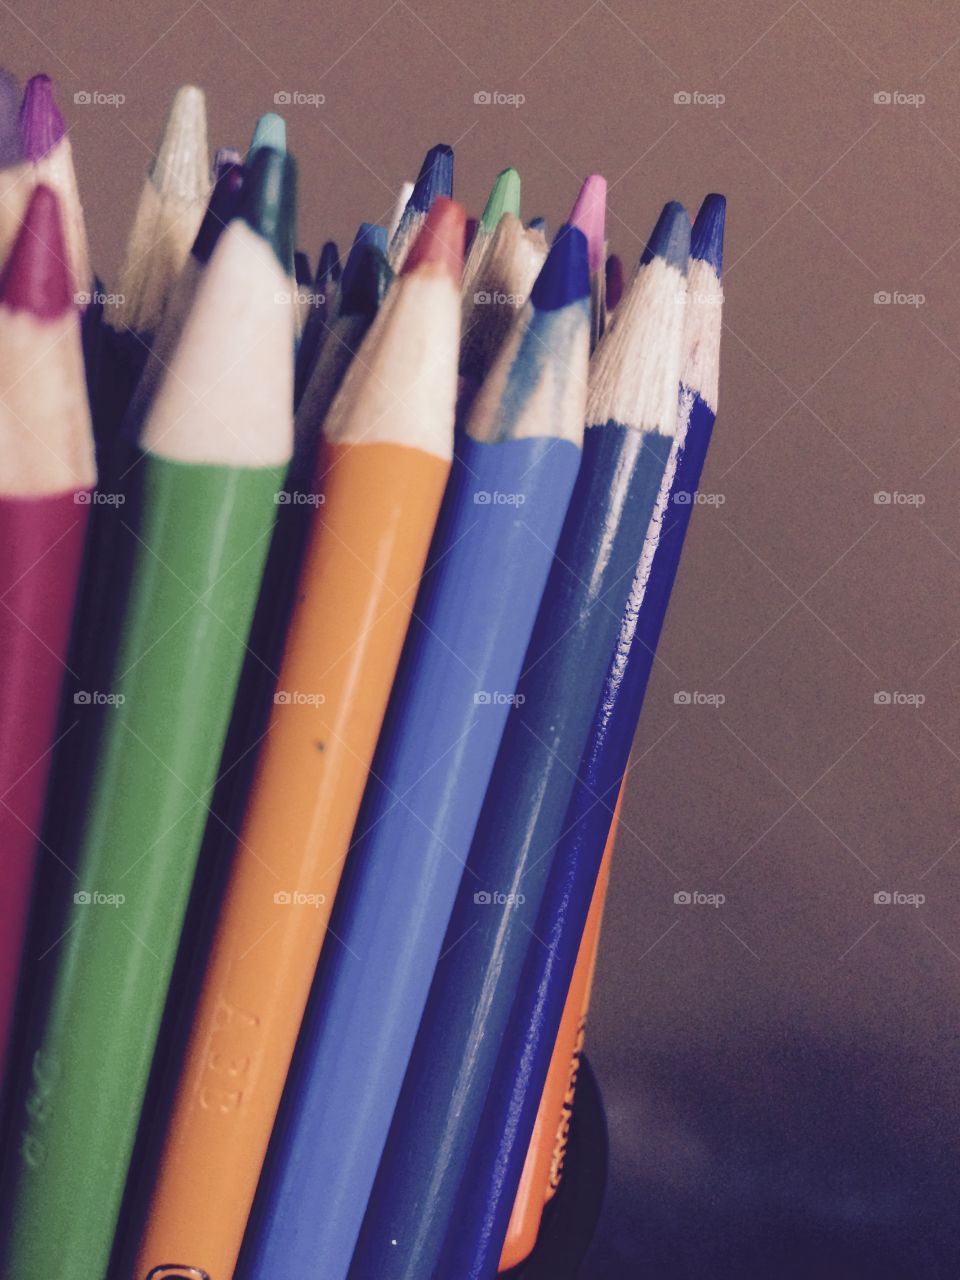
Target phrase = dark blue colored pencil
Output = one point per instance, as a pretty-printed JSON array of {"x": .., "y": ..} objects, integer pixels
[
  {"x": 631, "y": 418},
  {"x": 503, "y": 1136},
  {"x": 434, "y": 179},
  {"x": 491, "y": 557}
]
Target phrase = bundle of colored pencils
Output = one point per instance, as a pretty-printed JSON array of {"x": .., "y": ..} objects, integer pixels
[{"x": 329, "y": 602}]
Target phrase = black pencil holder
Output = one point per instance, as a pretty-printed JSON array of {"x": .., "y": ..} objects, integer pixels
[{"x": 571, "y": 1216}]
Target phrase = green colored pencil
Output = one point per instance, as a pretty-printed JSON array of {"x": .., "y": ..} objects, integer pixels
[{"x": 214, "y": 451}]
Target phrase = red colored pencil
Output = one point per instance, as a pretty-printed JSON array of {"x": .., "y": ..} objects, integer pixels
[{"x": 45, "y": 490}]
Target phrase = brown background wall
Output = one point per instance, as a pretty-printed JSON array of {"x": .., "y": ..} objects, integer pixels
[{"x": 781, "y": 1072}]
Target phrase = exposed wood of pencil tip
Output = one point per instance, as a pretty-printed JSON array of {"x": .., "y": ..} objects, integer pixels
[
  {"x": 46, "y": 439},
  {"x": 401, "y": 388},
  {"x": 171, "y": 208},
  {"x": 635, "y": 371},
  {"x": 228, "y": 394}
]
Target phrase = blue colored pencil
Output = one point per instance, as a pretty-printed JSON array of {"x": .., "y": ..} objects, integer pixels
[
  {"x": 491, "y": 557},
  {"x": 434, "y": 179},
  {"x": 496, "y": 1162},
  {"x": 631, "y": 418}
]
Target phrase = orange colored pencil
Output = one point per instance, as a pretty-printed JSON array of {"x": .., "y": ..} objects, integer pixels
[
  {"x": 543, "y": 1166},
  {"x": 388, "y": 441}
]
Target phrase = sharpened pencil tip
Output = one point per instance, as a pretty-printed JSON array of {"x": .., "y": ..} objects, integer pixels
[
  {"x": 706, "y": 239},
  {"x": 366, "y": 279},
  {"x": 182, "y": 164},
  {"x": 369, "y": 236},
  {"x": 269, "y": 131},
  {"x": 504, "y": 198},
  {"x": 670, "y": 238},
  {"x": 328, "y": 264},
  {"x": 565, "y": 276},
  {"x": 224, "y": 205},
  {"x": 269, "y": 201},
  {"x": 589, "y": 214},
  {"x": 302, "y": 271},
  {"x": 225, "y": 157},
  {"x": 440, "y": 242},
  {"x": 36, "y": 277},
  {"x": 537, "y": 224},
  {"x": 434, "y": 179},
  {"x": 614, "y": 281},
  {"x": 41, "y": 124}
]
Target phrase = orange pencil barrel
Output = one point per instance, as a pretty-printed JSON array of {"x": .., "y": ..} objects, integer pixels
[
  {"x": 543, "y": 1166},
  {"x": 357, "y": 588}
]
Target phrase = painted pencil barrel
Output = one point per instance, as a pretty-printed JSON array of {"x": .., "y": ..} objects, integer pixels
[
  {"x": 202, "y": 543},
  {"x": 41, "y": 548},
  {"x": 334, "y": 682},
  {"x": 543, "y": 1165},
  {"x": 496, "y": 906},
  {"x": 497, "y": 1155},
  {"x": 457, "y": 680}
]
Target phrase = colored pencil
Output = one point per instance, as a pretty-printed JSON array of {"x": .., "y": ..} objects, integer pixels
[
  {"x": 537, "y": 224},
  {"x": 47, "y": 157},
  {"x": 303, "y": 278},
  {"x": 11, "y": 152},
  {"x": 214, "y": 450},
  {"x": 631, "y": 418},
  {"x": 48, "y": 472},
  {"x": 403, "y": 198},
  {"x": 223, "y": 206},
  {"x": 366, "y": 278},
  {"x": 500, "y": 288},
  {"x": 589, "y": 214},
  {"x": 225, "y": 158},
  {"x": 319, "y": 313},
  {"x": 387, "y": 447},
  {"x": 516, "y": 1082},
  {"x": 269, "y": 131},
  {"x": 435, "y": 179},
  {"x": 463, "y": 656},
  {"x": 504, "y": 198},
  {"x": 172, "y": 205},
  {"x": 613, "y": 273},
  {"x": 543, "y": 1165}
]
